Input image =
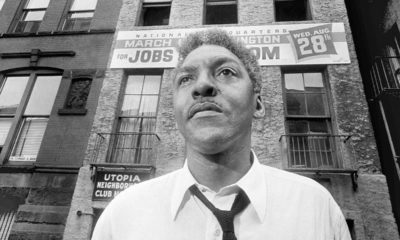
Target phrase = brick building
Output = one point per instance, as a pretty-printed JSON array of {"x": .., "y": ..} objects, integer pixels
[
  {"x": 123, "y": 131},
  {"x": 317, "y": 122},
  {"x": 53, "y": 56},
  {"x": 377, "y": 36}
]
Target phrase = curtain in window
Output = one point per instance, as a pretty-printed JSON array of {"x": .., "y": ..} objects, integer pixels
[
  {"x": 135, "y": 137},
  {"x": 29, "y": 139},
  {"x": 135, "y": 140}
]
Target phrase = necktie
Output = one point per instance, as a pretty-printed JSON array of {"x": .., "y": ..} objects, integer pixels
[{"x": 225, "y": 218}]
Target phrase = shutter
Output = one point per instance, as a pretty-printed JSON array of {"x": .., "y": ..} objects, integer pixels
[{"x": 29, "y": 139}]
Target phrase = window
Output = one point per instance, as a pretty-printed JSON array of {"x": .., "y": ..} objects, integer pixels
[
  {"x": 2, "y": 3},
  {"x": 27, "y": 109},
  {"x": 393, "y": 52},
  {"x": 221, "y": 12},
  {"x": 35, "y": 118},
  {"x": 155, "y": 12},
  {"x": 292, "y": 10},
  {"x": 135, "y": 136},
  {"x": 11, "y": 91},
  {"x": 31, "y": 16},
  {"x": 308, "y": 121},
  {"x": 8, "y": 210},
  {"x": 80, "y": 15}
]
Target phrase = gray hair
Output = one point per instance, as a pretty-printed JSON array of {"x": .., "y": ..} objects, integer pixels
[{"x": 222, "y": 38}]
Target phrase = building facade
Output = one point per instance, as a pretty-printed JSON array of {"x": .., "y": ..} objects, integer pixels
[
  {"x": 106, "y": 120},
  {"x": 53, "y": 57},
  {"x": 317, "y": 122},
  {"x": 377, "y": 36}
]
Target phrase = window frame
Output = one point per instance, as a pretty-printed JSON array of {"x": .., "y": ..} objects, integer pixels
[
  {"x": 392, "y": 51},
  {"x": 308, "y": 11},
  {"x": 2, "y": 4},
  {"x": 19, "y": 117},
  {"x": 313, "y": 137},
  {"x": 153, "y": 4},
  {"x": 327, "y": 91},
  {"x": 68, "y": 13},
  {"x": 220, "y": 3},
  {"x": 22, "y": 12},
  {"x": 120, "y": 116}
]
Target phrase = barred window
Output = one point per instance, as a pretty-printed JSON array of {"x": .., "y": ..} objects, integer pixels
[
  {"x": 135, "y": 136},
  {"x": 308, "y": 121}
]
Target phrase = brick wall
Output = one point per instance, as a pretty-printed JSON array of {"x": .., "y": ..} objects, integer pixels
[{"x": 349, "y": 111}]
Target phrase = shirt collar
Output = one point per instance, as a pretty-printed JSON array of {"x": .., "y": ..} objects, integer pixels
[{"x": 252, "y": 183}]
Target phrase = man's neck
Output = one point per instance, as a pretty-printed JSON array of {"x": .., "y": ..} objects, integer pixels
[{"x": 219, "y": 170}]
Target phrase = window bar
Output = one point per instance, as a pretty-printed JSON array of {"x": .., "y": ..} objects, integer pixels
[
  {"x": 304, "y": 151},
  {"x": 340, "y": 158},
  {"x": 319, "y": 151},
  {"x": 373, "y": 82},
  {"x": 7, "y": 220},
  {"x": 379, "y": 77},
  {"x": 392, "y": 73},
  {"x": 293, "y": 160},
  {"x": 326, "y": 139},
  {"x": 314, "y": 152},
  {"x": 384, "y": 72},
  {"x": 11, "y": 215},
  {"x": 2, "y": 226}
]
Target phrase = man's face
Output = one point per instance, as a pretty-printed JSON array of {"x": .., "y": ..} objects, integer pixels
[{"x": 214, "y": 100}]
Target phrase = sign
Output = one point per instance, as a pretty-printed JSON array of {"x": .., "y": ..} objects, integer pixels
[
  {"x": 302, "y": 44},
  {"x": 108, "y": 184}
]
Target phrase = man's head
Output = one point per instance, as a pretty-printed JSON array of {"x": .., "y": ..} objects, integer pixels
[
  {"x": 221, "y": 38},
  {"x": 216, "y": 92}
]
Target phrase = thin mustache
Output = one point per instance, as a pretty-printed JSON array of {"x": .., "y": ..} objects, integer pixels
[{"x": 202, "y": 106}]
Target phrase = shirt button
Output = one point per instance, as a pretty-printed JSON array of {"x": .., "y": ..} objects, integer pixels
[{"x": 217, "y": 232}]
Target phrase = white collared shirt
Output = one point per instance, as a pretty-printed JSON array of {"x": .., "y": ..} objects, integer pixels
[{"x": 283, "y": 206}]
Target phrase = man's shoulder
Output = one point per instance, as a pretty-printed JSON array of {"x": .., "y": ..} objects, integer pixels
[
  {"x": 289, "y": 181},
  {"x": 146, "y": 191}
]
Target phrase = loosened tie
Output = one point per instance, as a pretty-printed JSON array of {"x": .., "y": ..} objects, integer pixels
[{"x": 225, "y": 218}]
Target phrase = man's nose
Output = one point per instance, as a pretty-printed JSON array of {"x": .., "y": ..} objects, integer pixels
[{"x": 204, "y": 87}]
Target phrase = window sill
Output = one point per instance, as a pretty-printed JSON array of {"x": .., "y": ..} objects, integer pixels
[
  {"x": 18, "y": 167},
  {"x": 57, "y": 33},
  {"x": 66, "y": 111}
]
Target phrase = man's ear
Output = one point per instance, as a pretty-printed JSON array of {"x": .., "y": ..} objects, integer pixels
[{"x": 260, "y": 108}]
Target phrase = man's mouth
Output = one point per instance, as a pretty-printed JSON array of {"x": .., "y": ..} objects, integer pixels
[{"x": 202, "y": 107}]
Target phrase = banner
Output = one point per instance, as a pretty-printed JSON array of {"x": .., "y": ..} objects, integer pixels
[
  {"x": 108, "y": 184},
  {"x": 295, "y": 44}
]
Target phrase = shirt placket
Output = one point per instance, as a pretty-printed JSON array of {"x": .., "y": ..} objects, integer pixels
[{"x": 214, "y": 231}]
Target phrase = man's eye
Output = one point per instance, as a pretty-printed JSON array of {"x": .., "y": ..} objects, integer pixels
[
  {"x": 227, "y": 72},
  {"x": 184, "y": 80}
]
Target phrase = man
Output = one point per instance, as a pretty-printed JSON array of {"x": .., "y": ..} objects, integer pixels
[{"x": 216, "y": 95}]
